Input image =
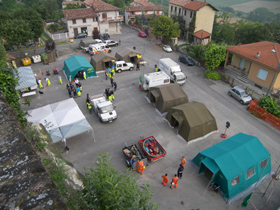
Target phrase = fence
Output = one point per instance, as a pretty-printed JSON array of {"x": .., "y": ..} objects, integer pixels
[{"x": 57, "y": 36}]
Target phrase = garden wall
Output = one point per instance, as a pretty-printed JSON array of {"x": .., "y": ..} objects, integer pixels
[{"x": 264, "y": 115}]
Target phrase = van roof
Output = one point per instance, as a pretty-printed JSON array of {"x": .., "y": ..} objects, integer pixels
[{"x": 157, "y": 75}]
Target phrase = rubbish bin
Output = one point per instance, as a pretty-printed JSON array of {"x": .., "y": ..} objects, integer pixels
[
  {"x": 36, "y": 59},
  {"x": 26, "y": 61}
]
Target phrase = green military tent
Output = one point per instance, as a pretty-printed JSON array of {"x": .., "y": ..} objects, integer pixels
[
  {"x": 167, "y": 96},
  {"x": 75, "y": 64},
  {"x": 102, "y": 61},
  {"x": 238, "y": 165},
  {"x": 193, "y": 120}
]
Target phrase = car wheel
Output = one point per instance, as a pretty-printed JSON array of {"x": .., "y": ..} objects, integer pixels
[
  {"x": 242, "y": 102},
  {"x": 109, "y": 51},
  {"x": 229, "y": 94},
  {"x": 117, "y": 45},
  {"x": 119, "y": 71},
  {"x": 130, "y": 69},
  {"x": 127, "y": 163}
]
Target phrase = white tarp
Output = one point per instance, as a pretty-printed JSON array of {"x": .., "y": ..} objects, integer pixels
[
  {"x": 63, "y": 119},
  {"x": 26, "y": 78}
]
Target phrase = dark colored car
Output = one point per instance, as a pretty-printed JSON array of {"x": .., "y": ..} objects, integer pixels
[
  {"x": 81, "y": 35},
  {"x": 186, "y": 60},
  {"x": 142, "y": 34},
  {"x": 7, "y": 48},
  {"x": 31, "y": 44}
]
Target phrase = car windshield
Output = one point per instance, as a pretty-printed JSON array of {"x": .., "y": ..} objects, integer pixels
[
  {"x": 180, "y": 77},
  {"x": 106, "y": 109},
  {"x": 244, "y": 94}
]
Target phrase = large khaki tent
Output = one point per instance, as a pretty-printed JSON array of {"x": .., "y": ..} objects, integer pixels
[
  {"x": 193, "y": 120},
  {"x": 127, "y": 55},
  {"x": 102, "y": 61},
  {"x": 167, "y": 96}
]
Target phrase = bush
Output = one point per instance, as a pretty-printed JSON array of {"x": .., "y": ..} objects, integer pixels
[
  {"x": 270, "y": 105},
  {"x": 212, "y": 75}
]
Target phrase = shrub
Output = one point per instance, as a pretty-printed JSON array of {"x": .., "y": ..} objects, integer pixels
[
  {"x": 270, "y": 105},
  {"x": 212, "y": 75}
]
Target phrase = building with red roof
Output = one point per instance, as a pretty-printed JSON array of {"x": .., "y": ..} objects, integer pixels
[
  {"x": 259, "y": 63},
  {"x": 198, "y": 18},
  {"x": 140, "y": 7}
]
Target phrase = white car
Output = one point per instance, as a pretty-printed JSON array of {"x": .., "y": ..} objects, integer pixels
[
  {"x": 123, "y": 66},
  {"x": 167, "y": 48},
  {"x": 111, "y": 43}
]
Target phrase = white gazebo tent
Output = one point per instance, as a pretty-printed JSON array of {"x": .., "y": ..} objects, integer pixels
[{"x": 63, "y": 119}]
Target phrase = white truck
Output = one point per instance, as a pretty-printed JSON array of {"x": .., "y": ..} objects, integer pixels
[
  {"x": 103, "y": 108},
  {"x": 123, "y": 66},
  {"x": 155, "y": 79},
  {"x": 172, "y": 69}
]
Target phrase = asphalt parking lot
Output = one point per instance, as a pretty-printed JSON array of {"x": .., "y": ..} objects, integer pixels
[{"x": 136, "y": 117}]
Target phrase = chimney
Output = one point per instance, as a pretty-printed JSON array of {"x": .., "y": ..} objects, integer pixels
[{"x": 258, "y": 54}]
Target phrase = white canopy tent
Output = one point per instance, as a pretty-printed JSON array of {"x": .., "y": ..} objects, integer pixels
[{"x": 63, "y": 119}]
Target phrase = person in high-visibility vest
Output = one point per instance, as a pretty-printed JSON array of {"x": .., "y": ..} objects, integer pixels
[
  {"x": 40, "y": 83},
  {"x": 140, "y": 166},
  {"x": 174, "y": 181},
  {"x": 183, "y": 161},
  {"x": 85, "y": 75},
  {"x": 156, "y": 68},
  {"x": 48, "y": 82},
  {"x": 60, "y": 80},
  {"x": 78, "y": 91},
  {"x": 165, "y": 179},
  {"x": 89, "y": 107}
]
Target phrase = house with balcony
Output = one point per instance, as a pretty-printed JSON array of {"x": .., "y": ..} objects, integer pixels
[
  {"x": 198, "y": 18},
  {"x": 108, "y": 16},
  {"x": 142, "y": 7},
  {"x": 80, "y": 21},
  {"x": 257, "y": 64}
]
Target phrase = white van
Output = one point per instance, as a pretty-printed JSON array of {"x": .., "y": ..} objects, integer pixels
[
  {"x": 155, "y": 79},
  {"x": 99, "y": 47}
]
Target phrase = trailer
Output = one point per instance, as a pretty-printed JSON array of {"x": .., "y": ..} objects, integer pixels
[{"x": 132, "y": 155}]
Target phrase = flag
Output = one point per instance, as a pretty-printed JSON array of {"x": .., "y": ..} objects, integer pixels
[{"x": 246, "y": 200}]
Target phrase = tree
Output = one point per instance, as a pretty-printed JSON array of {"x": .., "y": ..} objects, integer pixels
[
  {"x": 106, "y": 188},
  {"x": 165, "y": 27},
  {"x": 118, "y": 3},
  {"x": 74, "y": 6},
  {"x": 33, "y": 19},
  {"x": 180, "y": 20},
  {"x": 214, "y": 56},
  {"x": 261, "y": 15}
]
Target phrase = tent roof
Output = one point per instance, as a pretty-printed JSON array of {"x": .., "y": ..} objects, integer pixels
[
  {"x": 76, "y": 62},
  {"x": 26, "y": 78},
  {"x": 105, "y": 57},
  {"x": 195, "y": 113},
  {"x": 169, "y": 92},
  {"x": 237, "y": 154},
  {"x": 126, "y": 51},
  {"x": 63, "y": 119}
]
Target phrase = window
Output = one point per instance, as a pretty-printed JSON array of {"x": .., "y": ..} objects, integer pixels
[
  {"x": 185, "y": 12},
  {"x": 191, "y": 14},
  {"x": 74, "y": 21},
  {"x": 132, "y": 13},
  {"x": 166, "y": 81},
  {"x": 171, "y": 8},
  {"x": 235, "y": 181},
  {"x": 250, "y": 173},
  {"x": 262, "y": 74},
  {"x": 175, "y": 10},
  {"x": 179, "y": 11},
  {"x": 263, "y": 163},
  {"x": 84, "y": 20}
]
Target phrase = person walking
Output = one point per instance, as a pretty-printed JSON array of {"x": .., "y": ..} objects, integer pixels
[
  {"x": 164, "y": 179},
  {"x": 137, "y": 66},
  {"x": 174, "y": 181},
  {"x": 112, "y": 81},
  {"x": 156, "y": 68},
  {"x": 48, "y": 82},
  {"x": 89, "y": 107},
  {"x": 78, "y": 91},
  {"x": 111, "y": 95},
  {"x": 66, "y": 149},
  {"x": 69, "y": 90},
  {"x": 107, "y": 93},
  {"x": 106, "y": 75},
  {"x": 60, "y": 79},
  {"x": 75, "y": 93},
  {"x": 115, "y": 86},
  {"x": 40, "y": 83},
  {"x": 85, "y": 75},
  {"x": 183, "y": 161},
  {"x": 180, "y": 171}
]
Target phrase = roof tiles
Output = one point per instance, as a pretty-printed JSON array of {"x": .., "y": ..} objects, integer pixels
[
  {"x": 100, "y": 6},
  {"x": 79, "y": 13},
  {"x": 201, "y": 34},
  {"x": 179, "y": 2}
]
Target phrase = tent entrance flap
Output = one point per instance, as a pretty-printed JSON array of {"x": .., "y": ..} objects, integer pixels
[
  {"x": 209, "y": 168},
  {"x": 176, "y": 120},
  {"x": 154, "y": 96}
]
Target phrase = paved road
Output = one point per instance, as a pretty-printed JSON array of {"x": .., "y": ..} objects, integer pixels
[{"x": 138, "y": 118}]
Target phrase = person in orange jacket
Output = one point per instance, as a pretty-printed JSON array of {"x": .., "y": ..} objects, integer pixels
[
  {"x": 165, "y": 179},
  {"x": 174, "y": 181},
  {"x": 183, "y": 161},
  {"x": 140, "y": 166}
]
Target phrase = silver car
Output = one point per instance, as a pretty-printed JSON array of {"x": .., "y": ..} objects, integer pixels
[
  {"x": 240, "y": 94},
  {"x": 167, "y": 48}
]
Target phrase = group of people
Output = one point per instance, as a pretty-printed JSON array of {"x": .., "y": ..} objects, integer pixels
[
  {"x": 48, "y": 82},
  {"x": 177, "y": 176},
  {"x": 109, "y": 94},
  {"x": 75, "y": 88}
]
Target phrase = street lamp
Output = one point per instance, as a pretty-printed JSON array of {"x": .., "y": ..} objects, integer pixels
[{"x": 275, "y": 75}]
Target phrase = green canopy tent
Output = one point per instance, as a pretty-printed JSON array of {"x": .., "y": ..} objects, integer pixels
[
  {"x": 238, "y": 165},
  {"x": 75, "y": 64}
]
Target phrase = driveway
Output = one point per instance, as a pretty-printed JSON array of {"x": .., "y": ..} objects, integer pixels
[{"x": 136, "y": 117}]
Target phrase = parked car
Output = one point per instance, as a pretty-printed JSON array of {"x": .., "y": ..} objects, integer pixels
[
  {"x": 167, "y": 48},
  {"x": 7, "y": 48},
  {"x": 111, "y": 43},
  {"x": 142, "y": 34},
  {"x": 31, "y": 44},
  {"x": 240, "y": 94},
  {"x": 105, "y": 36},
  {"x": 80, "y": 35},
  {"x": 186, "y": 60}
]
